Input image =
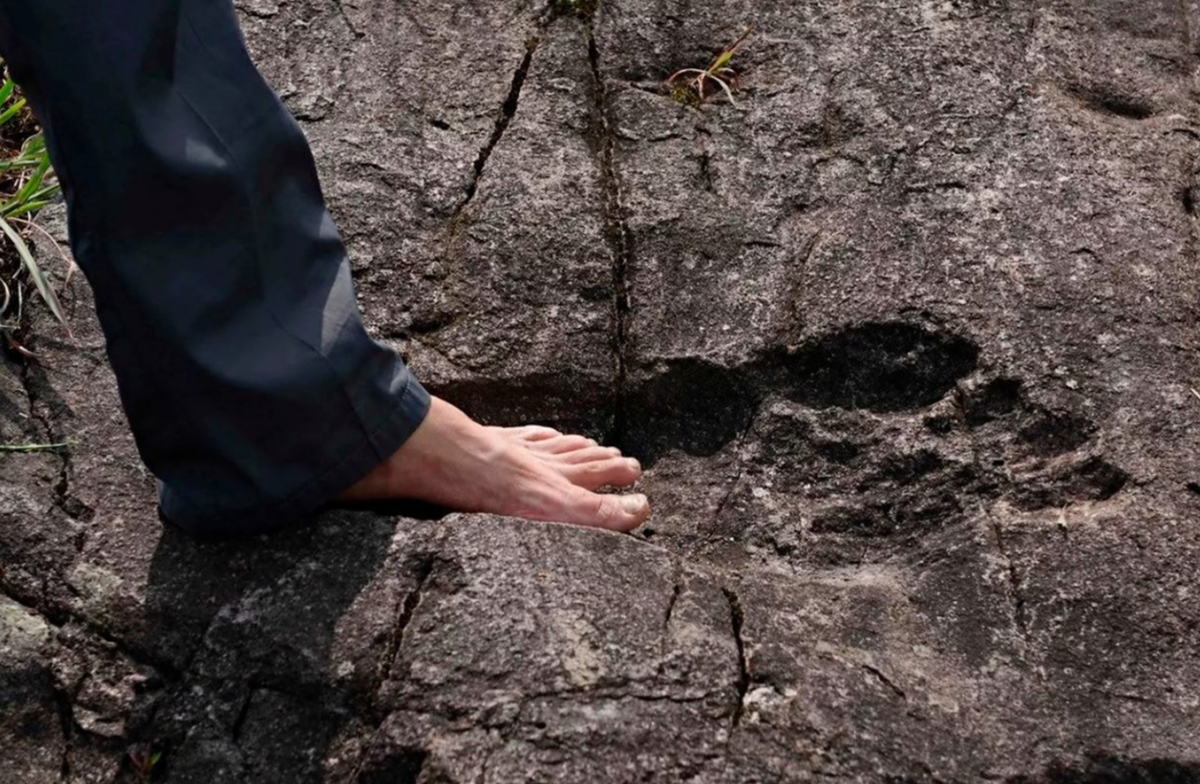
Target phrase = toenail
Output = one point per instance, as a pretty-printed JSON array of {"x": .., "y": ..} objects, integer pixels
[
  {"x": 635, "y": 465},
  {"x": 632, "y": 504}
]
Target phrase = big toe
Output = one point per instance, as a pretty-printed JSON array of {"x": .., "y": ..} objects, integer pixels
[{"x": 612, "y": 512}]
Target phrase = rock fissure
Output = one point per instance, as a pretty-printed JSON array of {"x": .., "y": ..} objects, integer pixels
[
  {"x": 676, "y": 590},
  {"x": 422, "y": 571},
  {"x": 620, "y": 240},
  {"x": 60, "y": 618},
  {"x": 508, "y": 110},
  {"x": 66, "y": 719},
  {"x": 885, "y": 680},
  {"x": 741, "y": 686},
  {"x": 62, "y": 486},
  {"x": 341, "y": 9}
]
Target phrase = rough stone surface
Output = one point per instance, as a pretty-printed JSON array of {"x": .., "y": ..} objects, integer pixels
[{"x": 907, "y": 339}]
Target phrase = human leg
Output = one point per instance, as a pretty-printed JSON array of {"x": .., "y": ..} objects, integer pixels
[{"x": 253, "y": 391}]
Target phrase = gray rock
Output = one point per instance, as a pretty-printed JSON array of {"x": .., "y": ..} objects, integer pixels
[{"x": 904, "y": 338}]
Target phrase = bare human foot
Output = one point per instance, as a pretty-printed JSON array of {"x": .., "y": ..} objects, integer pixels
[{"x": 530, "y": 472}]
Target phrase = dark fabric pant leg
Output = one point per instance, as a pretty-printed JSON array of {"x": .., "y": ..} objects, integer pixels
[{"x": 254, "y": 393}]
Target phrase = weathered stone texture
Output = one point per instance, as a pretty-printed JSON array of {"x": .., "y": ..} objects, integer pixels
[{"x": 906, "y": 339}]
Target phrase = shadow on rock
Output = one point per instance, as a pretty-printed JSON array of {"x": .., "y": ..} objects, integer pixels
[
  {"x": 1115, "y": 770},
  {"x": 259, "y": 697},
  {"x": 691, "y": 405},
  {"x": 882, "y": 367},
  {"x": 698, "y": 406}
]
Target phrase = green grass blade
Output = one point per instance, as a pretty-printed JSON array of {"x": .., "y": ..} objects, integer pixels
[
  {"x": 34, "y": 145},
  {"x": 35, "y": 272},
  {"x": 724, "y": 57},
  {"x": 35, "y": 182},
  {"x": 33, "y": 206},
  {"x": 12, "y": 111},
  {"x": 7, "y": 90},
  {"x": 33, "y": 447},
  {"x": 47, "y": 193}
]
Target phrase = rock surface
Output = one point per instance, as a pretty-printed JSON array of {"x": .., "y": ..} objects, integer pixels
[{"x": 907, "y": 339}]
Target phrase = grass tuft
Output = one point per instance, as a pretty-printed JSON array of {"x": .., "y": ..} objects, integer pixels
[
  {"x": 695, "y": 86},
  {"x": 27, "y": 184}
]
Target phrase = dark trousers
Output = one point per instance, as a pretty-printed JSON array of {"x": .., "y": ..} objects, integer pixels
[{"x": 254, "y": 392}]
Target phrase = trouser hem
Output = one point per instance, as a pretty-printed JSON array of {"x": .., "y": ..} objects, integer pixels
[{"x": 344, "y": 471}]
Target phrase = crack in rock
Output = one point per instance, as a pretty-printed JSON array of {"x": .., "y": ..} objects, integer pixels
[
  {"x": 341, "y": 9},
  {"x": 508, "y": 110},
  {"x": 742, "y": 685},
  {"x": 885, "y": 680},
  {"x": 620, "y": 240},
  {"x": 423, "y": 569},
  {"x": 61, "y": 487},
  {"x": 676, "y": 590},
  {"x": 66, "y": 718}
]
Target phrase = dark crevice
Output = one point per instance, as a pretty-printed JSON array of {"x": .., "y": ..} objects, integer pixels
[
  {"x": 10, "y": 592},
  {"x": 676, "y": 590},
  {"x": 620, "y": 241},
  {"x": 402, "y": 766},
  {"x": 62, "y": 497},
  {"x": 408, "y": 763},
  {"x": 706, "y": 175},
  {"x": 507, "y": 111},
  {"x": 737, "y": 618},
  {"x": 885, "y": 680},
  {"x": 1107, "y": 100},
  {"x": 250, "y": 10},
  {"x": 66, "y": 719},
  {"x": 422, "y": 569},
  {"x": 595, "y": 694},
  {"x": 581, "y": 9},
  {"x": 346, "y": 18},
  {"x": 933, "y": 187},
  {"x": 658, "y": 87}
]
